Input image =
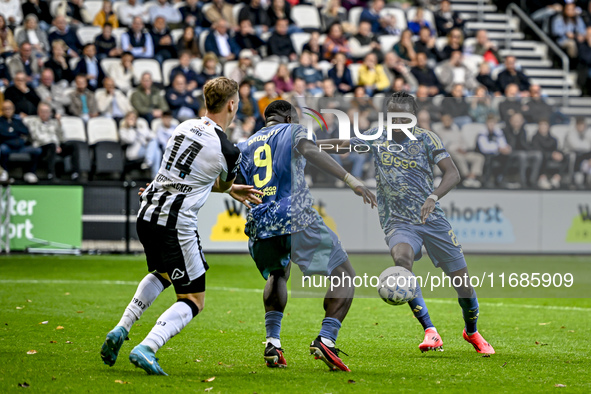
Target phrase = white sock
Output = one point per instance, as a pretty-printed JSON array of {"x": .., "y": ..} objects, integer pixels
[
  {"x": 147, "y": 291},
  {"x": 273, "y": 341},
  {"x": 170, "y": 323},
  {"x": 327, "y": 342}
]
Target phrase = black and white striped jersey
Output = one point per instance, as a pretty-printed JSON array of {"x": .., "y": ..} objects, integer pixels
[{"x": 197, "y": 153}]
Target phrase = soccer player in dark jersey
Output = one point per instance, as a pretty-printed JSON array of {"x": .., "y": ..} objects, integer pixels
[
  {"x": 198, "y": 159},
  {"x": 285, "y": 227},
  {"x": 410, "y": 214}
]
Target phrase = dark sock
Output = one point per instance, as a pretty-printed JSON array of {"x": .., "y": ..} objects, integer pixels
[{"x": 470, "y": 313}]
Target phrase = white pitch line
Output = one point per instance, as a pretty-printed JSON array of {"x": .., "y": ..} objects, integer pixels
[{"x": 246, "y": 290}]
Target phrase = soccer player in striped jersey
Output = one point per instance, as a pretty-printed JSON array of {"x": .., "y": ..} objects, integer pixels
[
  {"x": 410, "y": 214},
  {"x": 286, "y": 228},
  {"x": 199, "y": 159}
]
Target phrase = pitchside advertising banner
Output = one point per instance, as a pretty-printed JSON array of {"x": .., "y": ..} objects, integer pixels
[
  {"x": 484, "y": 221},
  {"x": 45, "y": 213}
]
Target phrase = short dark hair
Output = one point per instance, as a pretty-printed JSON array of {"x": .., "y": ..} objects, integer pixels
[
  {"x": 402, "y": 98},
  {"x": 279, "y": 107}
]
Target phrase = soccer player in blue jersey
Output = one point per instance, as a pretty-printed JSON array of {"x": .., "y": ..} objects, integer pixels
[
  {"x": 410, "y": 214},
  {"x": 285, "y": 227}
]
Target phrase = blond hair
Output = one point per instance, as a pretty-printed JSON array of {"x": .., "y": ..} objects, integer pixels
[{"x": 217, "y": 92}]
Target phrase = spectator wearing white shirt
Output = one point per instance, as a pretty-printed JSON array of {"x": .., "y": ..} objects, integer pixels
[
  {"x": 11, "y": 9},
  {"x": 111, "y": 101},
  {"x": 122, "y": 72},
  {"x": 53, "y": 93},
  {"x": 164, "y": 9},
  {"x": 126, "y": 12},
  {"x": 33, "y": 34},
  {"x": 138, "y": 41},
  {"x": 493, "y": 145},
  {"x": 140, "y": 141},
  {"x": 218, "y": 42}
]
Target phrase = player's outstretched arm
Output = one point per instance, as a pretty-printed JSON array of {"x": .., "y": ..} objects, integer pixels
[
  {"x": 326, "y": 163},
  {"x": 246, "y": 194},
  {"x": 449, "y": 180},
  {"x": 334, "y": 146}
]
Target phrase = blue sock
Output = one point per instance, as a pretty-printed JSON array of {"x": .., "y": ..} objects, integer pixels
[
  {"x": 470, "y": 312},
  {"x": 273, "y": 324},
  {"x": 419, "y": 309},
  {"x": 330, "y": 328}
]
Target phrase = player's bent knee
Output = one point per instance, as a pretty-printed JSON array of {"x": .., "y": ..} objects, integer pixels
[
  {"x": 193, "y": 303},
  {"x": 403, "y": 261}
]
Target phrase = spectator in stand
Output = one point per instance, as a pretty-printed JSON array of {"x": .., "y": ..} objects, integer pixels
[
  {"x": 74, "y": 12},
  {"x": 492, "y": 144},
  {"x": 584, "y": 63},
  {"x": 522, "y": 151},
  {"x": 282, "y": 79},
  {"x": 24, "y": 62},
  {"x": 333, "y": 12},
  {"x": 470, "y": 164},
  {"x": 164, "y": 47},
  {"x": 281, "y": 9},
  {"x": 82, "y": 100},
  {"x": 280, "y": 44},
  {"x": 578, "y": 141},
  {"x": 335, "y": 42},
  {"x": 365, "y": 42},
  {"x": 11, "y": 9},
  {"x": 372, "y": 75},
  {"x": 7, "y": 42},
  {"x": 312, "y": 76},
  {"x": 188, "y": 42},
  {"x": 568, "y": 28},
  {"x": 33, "y": 34},
  {"x": 23, "y": 97},
  {"x": 340, "y": 73},
  {"x": 480, "y": 105},
  {"x": 487, "y": 49},
  {"x": 106, "y": 15},
  {"x": 248, "y": 109},
  {"x": 426, "y": 44},
  {"x": 419, "y": 22},
  {"x": 105, "y": 44},
  {"x": 512, "y": 75},
  {"x": 130, "y": 10},
  {"x": 172, "y": 16},
  {"x": 209, "y": 69},
  {"x": 313, "y": 45},
  {"x": 39, "y": 8},
  {"x": 271, "y": 94},
  {"x": 181, "y": 102},
  {"x": 91, "y": 67},
  {"x": 68, "y": 36},
  {"x": 218, "y": 42},
  {"x": 485, "y": 79},
  {"x": 191, "y": 14},
  {"x": 147, "y": 100},
  {"x": 13, "y": 134},
  {"x": 511, "y": 104},
  {"x": 46, "y": 134},
  {"x": 446, "y": 19},
  {"x": 257, "y": 15},
  {"x": 535, "y": 107},
  {"x": 218, "y": 10},
  {"x": 455, "y": 42},
  {"x": 424, "y": 120},
  {"x": 58, "y": 62},
  {"x": 405, "y": 48},
  {"x": 454, "y": 71},
  {"x": 244, "y": 70},
  {"x": 164, "y": 131},
  {"x": 138, "y": 41},
  {"x": 425, "y": 75},
  {"x": 122, "y": 72},
  {"x": 395, "y": 68},
  {"x": 331, "y": 98},
  {"x": 112, "y": 102},
  {"x": 371, "y": 14},
  {"x": 425, "y": 103},
  {"x": 141, "y": 143},
  {"x": 53, "y": 93},
  {"x": 185, "y": 68},
  {"x": 389, "y": 26},
  {"x": 246, "y": 38},
  {"x": 555, "y": 163},
  {"x": 457, "y": 106}
]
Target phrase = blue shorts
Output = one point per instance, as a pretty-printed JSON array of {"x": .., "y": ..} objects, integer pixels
[
  {"x": 439, "y": 239},
  {"x": 316, "y": 250}
]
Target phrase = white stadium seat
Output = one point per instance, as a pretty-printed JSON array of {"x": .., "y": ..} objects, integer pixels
[
  {"x": 530, "y": 130},
  {"x": 107, "y": 63},
  {"x": 560, "y": 132},
  {"x": 176, "y": 34},
  {"x": 355, "y": 15},
  {"x": 141, "y": 66},
  {"x": 167, "y": 67},
  {"x": 93, "y": 7},
  {"x": 157, "y": 122},
  {"x": 265, "y": 70},
  {"x": 398, "y": 14},
  {"x": 197, "y": 65},
  {"x": 298, "y": 40},
  {"x": 354, "y": 68},
  {"x": 229, "y": 67},
  {"x": 388, "y": 41},
  {"x": 471, "y": 131},
  {"x": 87, "y": 34},
  {"x": 73, "y": 128},
  {"x": 117, "y": 33},
  {"x": 102, "y": 129},
  {"x": 306, "y": 16}
]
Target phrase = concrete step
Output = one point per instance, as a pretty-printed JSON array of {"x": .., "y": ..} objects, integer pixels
[
  {"x": 489, "y": 26},
  {"x": 497, "y": 35},
  {"x": 576, "y": 111},
  {"x": 523, "y": 54},
  {"x": 551, "y": 82},
  {"x": 473, "y": 8},
  {"x": 556, "y": 92},
  {"x": 580, "y": 101},
  {"x": 535, "y": 64},
  {"x": 544, "y": 73}
]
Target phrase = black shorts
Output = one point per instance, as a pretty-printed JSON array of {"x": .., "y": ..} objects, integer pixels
[{"x": 175, "y": 252}]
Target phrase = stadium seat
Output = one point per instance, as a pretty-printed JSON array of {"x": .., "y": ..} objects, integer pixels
[
  {"x": 53, "y": 7},
  {"x": 560, "y": 131},
  {"x": 176, "y": 34},
  {"x": 141, "y": 66},
  {"x": 202, "y": 37},
  {"x": 265, "y": 70},
  {"x": 157, "y": 122},
  {"x": 109, "y": 62},
  {"x": 167, "y": 67},
  {"x": 229, "y": 67},
  {"x": 306, "y": 17},
  {"x": 298, "y": 40},
  {"x": 469, "y": 44},
  {"x": 473, "y": 62},
  {"x": 180, "y": 4},
  {"x": 355, "y": 15},
  {"x": 87, "y": 34},
  {"x": 398, "y": 14},
  {"x": 73, "y": 62},
  {"x": 236, "y": 11},
  {"x": 104, "y": 138},
  {"x": 388, "y": 41},
  {"x": 470, "y": 131},
  {"x": 440, "y": 43},
  {"x": 530, "y": 130},
  {"x": 102, "y": 129},
  {"x": 117, "y": 33},
  {"x": 259, "y": 94},
  {"x": 93, "y": 7},
  {"x": 73, "y": 128},
  {"x": 197, "y": 64},
  {"x": 354, "y": 68}
]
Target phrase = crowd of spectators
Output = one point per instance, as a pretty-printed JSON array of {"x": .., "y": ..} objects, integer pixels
[{"x": 50, "y": 70}]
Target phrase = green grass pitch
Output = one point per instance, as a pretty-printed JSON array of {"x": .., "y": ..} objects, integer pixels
[{"x": 540, "y": 343}]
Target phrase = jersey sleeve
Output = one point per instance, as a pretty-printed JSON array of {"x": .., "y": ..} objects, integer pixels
[
  {"x": 435, "y": 149},
  {"x": 298, "y": 133},
  {"x": 231, "y": 155},
  {"x": 360, "y": 141}
]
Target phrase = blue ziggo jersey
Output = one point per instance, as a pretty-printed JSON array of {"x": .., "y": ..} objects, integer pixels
[{"x": 272, "y": 164}]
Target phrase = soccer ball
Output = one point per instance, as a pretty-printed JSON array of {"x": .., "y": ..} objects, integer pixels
[{"x": 397, "y": 286}]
